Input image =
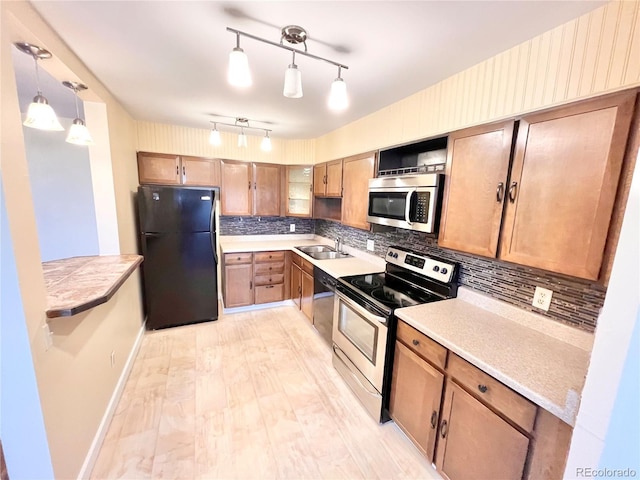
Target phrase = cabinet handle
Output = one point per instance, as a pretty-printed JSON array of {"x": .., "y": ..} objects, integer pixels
[
  {"x": 177, "y": 170},
  {"x": 434, "y": 420},
  {"x": 183, "y": 171},
  {"x": 299, "y": 290},
  {"x": 513, "y": 191},
  {"x": 249, "y": 184},
  {"x": 324, "y": 179},
  {"x": 483, "y": 388},
  {"x": 500, "y": 192},
  {"x": 254, "y": 185},
  {"x": 250, "y": 284},
  {"x": 269, "y": 286},
  {"x": 416, "y": 342},
  {"x": 443, "y": 429}
]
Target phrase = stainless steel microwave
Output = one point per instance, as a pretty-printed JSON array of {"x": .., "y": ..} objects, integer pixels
[{"x": 409, "y": 202}]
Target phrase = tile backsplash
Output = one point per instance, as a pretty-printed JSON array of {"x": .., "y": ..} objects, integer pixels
[
  {"x": 264, "y": 225},
  {"x": 575, "y": 302}
]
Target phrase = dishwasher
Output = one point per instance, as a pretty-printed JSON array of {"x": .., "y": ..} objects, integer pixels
[{"x": 324, "y": 287}]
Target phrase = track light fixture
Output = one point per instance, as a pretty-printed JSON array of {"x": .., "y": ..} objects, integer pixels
[
  {"x": 78, "y": 133},
  {"x": 40, "y": 115},
  {"x": 241, "y": 123},
  {"x": 293, "y": 34}
]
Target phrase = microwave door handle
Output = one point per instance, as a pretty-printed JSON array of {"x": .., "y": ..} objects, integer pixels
[{"x": 407, "y": 207}]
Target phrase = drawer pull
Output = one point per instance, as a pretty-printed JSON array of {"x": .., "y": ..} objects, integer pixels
[
  {"x": 238, "y": 258},
  {"x": 416, "y": 342},
  {"x": 443, "y": 429},
  {"x": 482, "y": 388},
  {"x": 270, "y": 256},
  {"x": 434, "y": 420},
  {"x": 269, "y": 286}
]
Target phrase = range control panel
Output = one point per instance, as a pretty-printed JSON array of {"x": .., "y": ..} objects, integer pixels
[{"x": 429, "y": 267}]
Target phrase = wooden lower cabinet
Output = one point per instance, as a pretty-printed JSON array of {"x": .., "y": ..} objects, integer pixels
[
  {"x": 475, "y": 442},
  {"x": 416, "y": 392},
  {"x": 296, "y": 284},
  {"x": 302, "y": 285},
  {"x": 238, "y": 285},
  {"x": 306, "y": 301},
  {"x": 254, "y": 278}
]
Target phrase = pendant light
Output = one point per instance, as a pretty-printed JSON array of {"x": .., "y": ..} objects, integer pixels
[
  {"x": 265, "y": 146},
  {"x": 292, "y": 80},
  {"x": 338, "y": 99},
  {"x": 40, "y": 115},
  {"x": 78, "y": 132},
  {"x": 239, "y": 74},
  {"x": 214, "y": 137},
  {"x": 242, "y": 139}
]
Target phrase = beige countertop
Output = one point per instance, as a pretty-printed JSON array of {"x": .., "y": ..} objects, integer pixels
[
  {"x": 541, "y": 359},
  {"x": 360, "y": 263},
  {"x": 79, "y": 283}
]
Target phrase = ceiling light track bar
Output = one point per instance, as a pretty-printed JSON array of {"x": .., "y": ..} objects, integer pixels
[
  {"x": 285, "y": 47},
  {"x": 236, "y": 125}
]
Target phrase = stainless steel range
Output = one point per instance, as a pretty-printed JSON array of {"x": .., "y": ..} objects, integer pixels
[{"x": 364, "y": 323}]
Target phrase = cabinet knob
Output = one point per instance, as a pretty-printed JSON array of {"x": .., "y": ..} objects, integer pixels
[
  {"x": 434, "y": 419},
  {"x": 416, "y": 342},
  {"x": 483, "y": 388},
  {"x": 443, "y": 429},
  {"x": 238, "y": 258}
]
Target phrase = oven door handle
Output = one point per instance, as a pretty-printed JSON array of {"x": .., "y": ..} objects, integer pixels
[
  {"x": 407, "y": 208},
  {"x": 361, "y": 310},
  {"x": 354, "y": 372}
]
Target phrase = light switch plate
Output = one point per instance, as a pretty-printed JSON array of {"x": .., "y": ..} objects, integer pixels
[
  {"x": 370, "y": 245},
  {"x": 542, "y": 298},
  {"x": 292, "y": 227}
]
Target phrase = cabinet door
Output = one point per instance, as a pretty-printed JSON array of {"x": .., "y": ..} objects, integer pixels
[
  {"x": 158, "y": 169},
  {"x": 306, "y": 301},
  {"x": 334, "y": 179},
  {"x": 563, "y": 185},
  {"x": 266, "y": 189},
  {"x": 475, "y": 186},
  {"x": 236, "y": 189},
  {"x": 356, "y": 172},
  {"x": 299, "y": 190},
  {"x": 416, "y": 392},
  {"x": 475, "y": 442},
  {"x": 238, "y": 286},
  {"x": 320, "y": 179},
  {"x": 200, "y": 171},
  {"x": 296, "y": 284}
]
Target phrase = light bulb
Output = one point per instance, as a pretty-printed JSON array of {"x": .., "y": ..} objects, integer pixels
[
  {"x": 214, "y": 138},
  {"x": 338, "y": 99},
  {"x": 79, "y": 134},
  {"x": 239, "y": 74},
  {"x": 292, "y": 82},
  {"x": 40, "y": 115},
  {"x": 266, "y": 143}
]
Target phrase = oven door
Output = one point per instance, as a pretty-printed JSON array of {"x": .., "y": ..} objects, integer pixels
[{"x": 362, "y": 337}]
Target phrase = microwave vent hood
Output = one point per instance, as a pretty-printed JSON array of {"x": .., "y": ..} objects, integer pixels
[{"x": 428, "y": 156}]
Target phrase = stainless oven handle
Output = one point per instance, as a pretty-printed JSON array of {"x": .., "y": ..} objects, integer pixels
[
  {"x": 360, "y": 310},
  {"x": 352, "y": 370},
  {"x": 407, "y": 208}
]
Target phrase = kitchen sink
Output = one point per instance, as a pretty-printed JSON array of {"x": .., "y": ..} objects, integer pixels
[{"x": 308, "y": 249}]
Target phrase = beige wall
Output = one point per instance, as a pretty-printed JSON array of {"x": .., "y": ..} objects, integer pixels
[{"x": 75, "y": 379}]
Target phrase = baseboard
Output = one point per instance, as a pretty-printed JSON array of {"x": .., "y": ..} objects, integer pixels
[
  {"x": 92, "y": 455},
  {"x": 260, "y": 306}
]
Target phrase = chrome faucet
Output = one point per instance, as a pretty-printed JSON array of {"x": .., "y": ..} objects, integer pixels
[{"x": 338, "y": 244}]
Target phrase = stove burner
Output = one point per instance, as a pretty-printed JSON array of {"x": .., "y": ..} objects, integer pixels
[
  {"x": 392, "y": 297},
  {"x": 367, "y": 281}
]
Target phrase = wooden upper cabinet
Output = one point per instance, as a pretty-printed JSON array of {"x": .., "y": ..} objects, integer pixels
[
  {"x": 237, "y": 188},
  {"x": 266, "y": 186},
  {"x": 298, "y": 190},
  {"x": 356, "y": 172},
  {"x": 158, "y": 168},
  {"x": 563, "y": 185},
  {"x": 200, "y": 171},
  {"x": 327, "y": 179},
  {"x": 475, "y": 186}
]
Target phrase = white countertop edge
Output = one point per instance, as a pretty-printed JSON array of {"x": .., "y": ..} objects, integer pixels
[
  {"x": 560, "y": 331},
  {"x": 566, "y": 414}
]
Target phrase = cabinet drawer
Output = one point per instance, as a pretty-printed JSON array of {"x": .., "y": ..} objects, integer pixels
[
  {"x": 493, "y": 393},
  {"x": 269, "y": 293},
  {"x": 269, "y": 268},
  {"x": 269, "y": 256},
  {"x": 269, "y": 279},
  {"x": 307, "y": 266},
  {"x": 422, "y": 345},
  {"x": 236, "y": 258}
]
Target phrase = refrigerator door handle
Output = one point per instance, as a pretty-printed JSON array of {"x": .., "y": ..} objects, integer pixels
[{"x": 212, "y": 227}]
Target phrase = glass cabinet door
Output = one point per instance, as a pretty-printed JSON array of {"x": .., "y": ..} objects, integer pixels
[{"x": 299, "y": 190}]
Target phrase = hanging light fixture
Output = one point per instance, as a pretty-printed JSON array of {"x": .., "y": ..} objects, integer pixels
[
  {"x": 239, "y": 74},
  {"x": 241, "y": 123},
  {"x": 338, "y": 99},
  {"x": 292, "y": 80},
  {"x": 40, "y": 115},
  {"x": 78, "y": 132},
  {"x": 214, "y": 137},
  {"x": 292, "y": 34}
]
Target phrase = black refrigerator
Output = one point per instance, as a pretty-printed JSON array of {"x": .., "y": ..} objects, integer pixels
[{"x": 178, "y": 242}]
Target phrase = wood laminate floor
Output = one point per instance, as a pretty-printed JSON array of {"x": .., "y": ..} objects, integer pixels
[{"x": 252, "y": 395}]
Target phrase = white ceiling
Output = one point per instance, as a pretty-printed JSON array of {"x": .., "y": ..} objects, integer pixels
[{"x": 166, "y": 61}]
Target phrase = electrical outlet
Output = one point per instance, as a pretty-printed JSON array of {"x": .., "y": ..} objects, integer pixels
[
  {"x": 370, "y": 245},
  {"x": 292, "y": 227},
  {"x": 48, "y": 336},
  {"x": 113, "y": 358},
  {"x": 542, "y": 298}
]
